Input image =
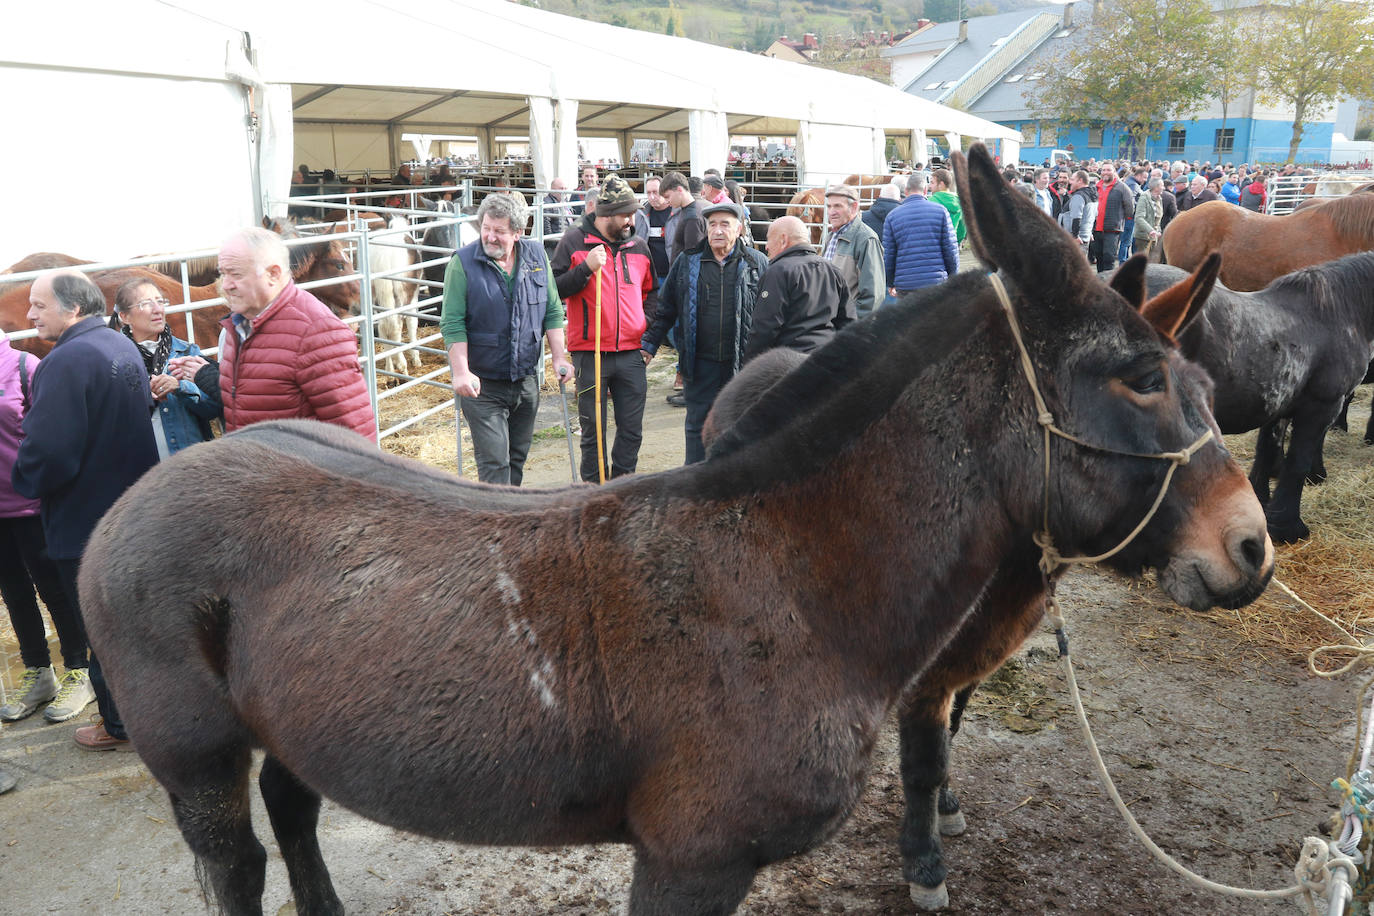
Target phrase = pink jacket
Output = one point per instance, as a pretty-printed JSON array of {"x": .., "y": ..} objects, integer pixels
[
  {"x": 300, "y": 361},
  {"x": 12, "y": 504}
]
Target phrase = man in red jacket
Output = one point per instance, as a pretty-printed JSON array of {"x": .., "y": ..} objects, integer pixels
[
  {"x": 283, "y": 354},
  {"x": 603, "y": 251}
]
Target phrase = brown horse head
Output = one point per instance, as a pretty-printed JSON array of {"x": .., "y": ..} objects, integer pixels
[
  {"x": 808, "y": 205},
  {"x": 325, "y": 258}
]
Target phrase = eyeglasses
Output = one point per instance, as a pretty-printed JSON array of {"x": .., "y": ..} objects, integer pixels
[{"x": 147, "y": 304}]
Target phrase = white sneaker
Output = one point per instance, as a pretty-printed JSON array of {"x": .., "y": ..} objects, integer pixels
[
  {"x": 36, "y": 687},
  {"x": 74, "y": 694}
]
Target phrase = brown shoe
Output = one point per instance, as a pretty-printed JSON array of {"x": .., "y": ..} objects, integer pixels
[{"x": 95, "y": 738}]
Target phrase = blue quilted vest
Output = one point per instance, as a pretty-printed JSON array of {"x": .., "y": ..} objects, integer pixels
[{"x": 504, "y": 330}]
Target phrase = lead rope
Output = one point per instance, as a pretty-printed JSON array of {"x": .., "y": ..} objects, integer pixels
[{"x": 1318, "y": 857}]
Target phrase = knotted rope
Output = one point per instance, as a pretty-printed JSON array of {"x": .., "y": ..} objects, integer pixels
[{"x": 1313, "y": 870}]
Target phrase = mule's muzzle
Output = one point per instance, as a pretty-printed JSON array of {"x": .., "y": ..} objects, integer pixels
[{"x": 1233, "y": 573}]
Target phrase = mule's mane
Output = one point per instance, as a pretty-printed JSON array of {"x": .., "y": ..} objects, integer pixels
[
  {"x": 1352, "y": 216},
  {"x": 800, "y": 422},
  {"x": 1332, "y": 284}
]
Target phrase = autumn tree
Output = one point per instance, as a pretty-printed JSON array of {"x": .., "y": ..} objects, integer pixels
[
  {"x": 1315, "y": 52},
  {"x": 1139, "y": 64}
]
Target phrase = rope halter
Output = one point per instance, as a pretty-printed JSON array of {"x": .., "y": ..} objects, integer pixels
[{"x": 1050, "y": 557}]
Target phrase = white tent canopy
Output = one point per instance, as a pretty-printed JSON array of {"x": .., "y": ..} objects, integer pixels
[{"x": 197, "y": 109}]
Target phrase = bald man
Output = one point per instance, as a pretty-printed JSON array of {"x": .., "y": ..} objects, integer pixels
[
  {"x": 86, "y": 440},
  {"x": 804, "y": 299}
]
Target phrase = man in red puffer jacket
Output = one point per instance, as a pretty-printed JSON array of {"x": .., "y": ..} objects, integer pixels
[
  {"x": 283, "y": 354},
  {"x": 605, "y": 246}
]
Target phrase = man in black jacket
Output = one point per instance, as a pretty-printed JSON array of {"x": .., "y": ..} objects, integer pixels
[
  {"x": 803, "y": 299},
  {"x": 87, "y": 438}
]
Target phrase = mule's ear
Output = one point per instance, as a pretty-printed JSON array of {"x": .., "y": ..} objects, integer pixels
[
  {"x": 1009, "y": 232},
  {"x": 1129, "y": 281},
  {"x": 1172, "y": 310}
]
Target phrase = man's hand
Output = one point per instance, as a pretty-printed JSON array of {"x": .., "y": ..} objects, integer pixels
[
  {"x": 648, "y": 357},
  {"x": 563, "y": 369},
  {"x": 596, "y": 258},
  {"x": 467, "y": 386}
]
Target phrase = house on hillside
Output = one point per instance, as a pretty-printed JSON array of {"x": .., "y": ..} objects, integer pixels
[
  {"x": 798, "y": 52},
  {"x": 988, "y": 65}
]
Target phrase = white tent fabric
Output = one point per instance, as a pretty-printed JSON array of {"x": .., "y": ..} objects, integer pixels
[
  {"x": 710, "y": 140},
  {"x": 158, "y": 121}
]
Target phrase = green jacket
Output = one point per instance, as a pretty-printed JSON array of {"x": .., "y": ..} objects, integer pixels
[{"x": 950, "y": 201}]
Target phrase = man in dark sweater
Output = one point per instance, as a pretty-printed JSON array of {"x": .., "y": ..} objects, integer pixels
[
  {"x": 708, "y": 299},
  {"x": 804, "y": 298},
  {"x": 87, "y": 438}
]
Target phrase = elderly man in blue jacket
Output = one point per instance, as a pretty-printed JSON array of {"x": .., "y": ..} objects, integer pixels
[
  {"x": 919, "y": 249},
  {"x": 86, "y": 440}
]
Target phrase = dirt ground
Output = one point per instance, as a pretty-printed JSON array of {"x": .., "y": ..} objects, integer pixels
[{"x": 1223, "y": 751}]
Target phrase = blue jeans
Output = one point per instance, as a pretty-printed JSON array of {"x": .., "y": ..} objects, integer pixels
[
  {"x": 707, "y": 379},
  {"x": 501, "y": 420},
  {"x": 1127, "y": 233}
]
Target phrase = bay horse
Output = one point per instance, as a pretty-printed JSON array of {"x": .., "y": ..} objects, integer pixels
[
  {"x": 695, "y": 662},
  {"x": 1291, "y": 351},
  {"x": 323, "y": 260},
  {"x": 1009, "y": 611},
  {"x": 1257, "y": 248}
]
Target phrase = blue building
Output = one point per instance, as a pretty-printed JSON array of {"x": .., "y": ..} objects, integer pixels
[{"x": 989, "y": 64}]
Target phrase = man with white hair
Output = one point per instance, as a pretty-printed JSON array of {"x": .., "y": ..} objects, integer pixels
[
  {"x": 919, "y": 247},
  {"x": 803, "y": 298},
  {"x": 86, "y": 440},
  {"x": 889, "y": 196},
  {"x": 854, "y": 249},
  {"x": 283, "y": 353},
  {"x": 499, "y": 300}
]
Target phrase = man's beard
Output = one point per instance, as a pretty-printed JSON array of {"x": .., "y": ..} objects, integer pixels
[{"x": 495, "y": 252}]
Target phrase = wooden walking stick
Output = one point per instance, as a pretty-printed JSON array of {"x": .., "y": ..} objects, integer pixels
[{"x": 596, "y": 387}]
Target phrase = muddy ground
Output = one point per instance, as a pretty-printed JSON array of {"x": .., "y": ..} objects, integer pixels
[{"x": 1223, "y": 752}]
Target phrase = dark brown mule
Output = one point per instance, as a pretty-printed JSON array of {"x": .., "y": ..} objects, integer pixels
[
  {"x": 322, "y": 260},
  {"x": 1257, "y": 248},
  {"x": 696, "y": 662},
  {"x": 932, "y": 706}
]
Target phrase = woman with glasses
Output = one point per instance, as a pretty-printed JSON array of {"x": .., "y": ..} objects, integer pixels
[{"x": 183, "y": 411}]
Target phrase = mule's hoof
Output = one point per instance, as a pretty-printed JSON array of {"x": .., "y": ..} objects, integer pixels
[
  {"x": 1289, "y": 532},
  {"x": 953, "y": 824},
  {"x": 1317, "y": 477},
  {"x": 930, "y": 898}
]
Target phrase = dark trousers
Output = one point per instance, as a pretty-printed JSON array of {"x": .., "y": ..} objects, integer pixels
[
  {"x": 66, "y": 570},
  {"x": 501, "y": 420},
  {"x": 624, "y": 382},
  {"x": 708, "y": 377},
  {"x": 24, "y": 564},
  {"x": 1102, "y": 250}
]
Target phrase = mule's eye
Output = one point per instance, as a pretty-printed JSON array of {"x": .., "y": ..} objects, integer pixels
[{"x": 1149, "y": 383}]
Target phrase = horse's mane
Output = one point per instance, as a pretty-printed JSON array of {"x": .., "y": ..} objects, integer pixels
[
  {"x": 799, "y": 423},
  {"x": 1352, "y": 216},
  {"x": 1330, "y": 284}
]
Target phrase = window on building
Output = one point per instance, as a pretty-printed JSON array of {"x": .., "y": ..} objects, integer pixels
[
  {"x": 1178, "y": 138},
  {"x": 932, "y": 86},
  {"x": 1036, "y": 76},
  {"x": 1225, "y": 140},
  {"x": 1015, "y": 77},
  {"x": 1049, "y": 134},
  {"x": 1094, "y": 136},
  {"x": 949, "y": 84},
  {"x": 1028, "y": 133}
]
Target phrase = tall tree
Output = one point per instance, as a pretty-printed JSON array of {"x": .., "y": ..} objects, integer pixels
[
  {"x": 1315, "y": 52},
  {"x": 1137, "y": 64}
]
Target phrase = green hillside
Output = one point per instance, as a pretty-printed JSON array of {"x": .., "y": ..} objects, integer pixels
[{"x": 752, "y": 25}]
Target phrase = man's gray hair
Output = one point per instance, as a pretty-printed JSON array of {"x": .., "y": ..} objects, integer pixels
[
  {"x": 1154, "y": 183},
  {"x": 266, "y": 247},
  {"x": 890, "y": 191},
  {"x": 899, "y": 181},
  {"x": 916, "y": 183},
  {"x": 76, "y": 292},
  {"x": 506, "y": 207}
]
